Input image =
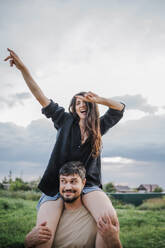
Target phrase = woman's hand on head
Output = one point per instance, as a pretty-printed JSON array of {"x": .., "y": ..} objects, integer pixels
[
  {"x": 14, "y": 60},
  {"x": 89, "y": 97}
]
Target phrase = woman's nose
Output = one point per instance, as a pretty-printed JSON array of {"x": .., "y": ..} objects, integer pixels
[{"x": 82, "y": 104}]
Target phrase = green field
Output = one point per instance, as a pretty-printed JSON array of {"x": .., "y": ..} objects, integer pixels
[{"x": 138, "y": 228}]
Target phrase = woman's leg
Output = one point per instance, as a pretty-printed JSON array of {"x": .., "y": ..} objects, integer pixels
[
  {"x": 50, "y": 211},
  {"x": 99, "y": 205}
]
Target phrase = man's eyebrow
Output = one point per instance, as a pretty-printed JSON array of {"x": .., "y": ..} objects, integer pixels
[{"x": 64, "y": 177}]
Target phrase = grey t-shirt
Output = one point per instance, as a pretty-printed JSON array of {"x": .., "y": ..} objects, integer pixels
[{"x": 76, "y": 229}]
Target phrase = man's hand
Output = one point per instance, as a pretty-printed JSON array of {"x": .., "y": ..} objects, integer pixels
[
  {"x": 39, "y": 235},
  {"x": 14, "y": 60},
  {"x": 109, "y": 232}
]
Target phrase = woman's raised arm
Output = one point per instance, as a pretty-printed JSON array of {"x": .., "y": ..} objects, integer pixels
[
  {"x": 92, "y": 97},
  {"x": 33, "y": 86}
]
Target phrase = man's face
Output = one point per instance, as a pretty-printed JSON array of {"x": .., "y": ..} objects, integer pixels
[{"x": 71, "y": 187}]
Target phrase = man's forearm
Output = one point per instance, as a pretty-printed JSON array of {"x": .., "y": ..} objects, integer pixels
[
  {"x": 113, "y": 242},
  {"x": 29, "y": 242}
]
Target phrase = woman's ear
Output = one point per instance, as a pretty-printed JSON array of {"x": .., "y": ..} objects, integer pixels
[{"x": 71, "y": 109}]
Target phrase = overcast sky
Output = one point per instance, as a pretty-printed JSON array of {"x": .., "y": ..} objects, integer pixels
[{"x": 113, "y": 48}]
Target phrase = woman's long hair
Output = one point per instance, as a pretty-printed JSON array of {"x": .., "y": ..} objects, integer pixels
[{"x": 92, "y": 123}]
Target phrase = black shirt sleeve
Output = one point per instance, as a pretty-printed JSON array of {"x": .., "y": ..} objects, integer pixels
[
  {"x": 56, "y": 113},
  {"x": 110, "y": 118}
]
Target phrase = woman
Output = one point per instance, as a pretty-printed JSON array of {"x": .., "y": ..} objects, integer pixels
[{"x": 78, "y": 138}]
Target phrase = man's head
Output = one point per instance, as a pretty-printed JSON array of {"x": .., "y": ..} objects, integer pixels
[{"x": 72, "y": 181}]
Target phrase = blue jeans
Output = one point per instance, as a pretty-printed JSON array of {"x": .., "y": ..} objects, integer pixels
[{"x": 45, "y": 198}]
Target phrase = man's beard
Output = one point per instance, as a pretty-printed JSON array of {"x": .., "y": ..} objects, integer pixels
[{"x": 69, "y": 200}]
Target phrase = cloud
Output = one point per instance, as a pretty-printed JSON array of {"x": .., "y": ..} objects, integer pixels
[
  {"x": 135, "y": 173},
  {"x": 142, "y": 139},
  {"x": 134, "y": 148},
  {"x": 82, "y": 45},
  {"x": 14, "y": 99},
  {"x": 30, "y": 144},
  {"x": 109, "y": 47},
  {"x": 137, "y": 102}
]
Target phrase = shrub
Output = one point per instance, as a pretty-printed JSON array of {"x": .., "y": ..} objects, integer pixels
[
  {"x": 109, "y": 187},
  {"x": 5, "y": 204},
  {"x": 158, "y": 189},
  {"x": 26, "y": 195},
  {"x": 153, "y": 204},
  {"x": 18, "y": 184},
  {"x": 1, "y": 186}
]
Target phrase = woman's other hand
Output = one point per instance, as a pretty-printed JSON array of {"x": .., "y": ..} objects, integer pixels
[
  {"x": 14, "y": 60},
  {"x": 89, "y": 97}
]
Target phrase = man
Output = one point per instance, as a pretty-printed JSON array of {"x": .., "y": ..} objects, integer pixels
[{"x": 76, "y": 228}]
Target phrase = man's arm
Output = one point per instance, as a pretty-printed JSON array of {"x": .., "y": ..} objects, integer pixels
[
  {"x": 33, "y": 86},
  {"x": 109, "y": 232},
  {"x": 38, "y": 235}
]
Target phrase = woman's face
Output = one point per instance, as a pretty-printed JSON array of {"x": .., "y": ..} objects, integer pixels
[{"x": 81, "y": 108}]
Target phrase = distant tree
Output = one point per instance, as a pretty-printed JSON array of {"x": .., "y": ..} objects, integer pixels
[
  {"x": 19, "y": 184},
  {"x": 109, "y": 187},
  {"x": 10, "y": 176},
  {"x": 5, "y": 181},
  {"x": 1, "y": 186},
  {"x": 158, "y": 189},
  {"x": 34, "y": 184}
]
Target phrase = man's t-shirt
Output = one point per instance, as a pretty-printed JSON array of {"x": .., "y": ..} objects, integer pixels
[{"x": 76, "y": 229}]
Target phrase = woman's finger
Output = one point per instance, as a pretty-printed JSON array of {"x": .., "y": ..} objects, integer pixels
[
  {"x": 92, "y": 94},
  {"x": 9, "y": 50},
  {"x": 11, "y": 63},
  {"x": 9, "y": 57},
  {"x": 81, "y": 97},
  {"x": 12, "y": 53}
]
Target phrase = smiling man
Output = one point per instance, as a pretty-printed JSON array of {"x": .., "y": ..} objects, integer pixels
[{"x": 76, "y": 228}]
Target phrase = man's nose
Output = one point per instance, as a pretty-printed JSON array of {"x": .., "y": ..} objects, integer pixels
[{"x": 67, "y": 186}]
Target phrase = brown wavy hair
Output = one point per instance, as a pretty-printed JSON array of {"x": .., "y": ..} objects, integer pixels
[{"x": 92, "y": 123}]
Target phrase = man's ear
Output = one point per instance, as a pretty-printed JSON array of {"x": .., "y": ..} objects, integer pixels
[{"x": 84, "y": 181}]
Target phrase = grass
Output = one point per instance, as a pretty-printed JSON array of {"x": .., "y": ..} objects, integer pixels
[
  {"x": 17, "y": 217},
  {"x": 138, "y": 228},
  {"x": 142, "y": 229}
]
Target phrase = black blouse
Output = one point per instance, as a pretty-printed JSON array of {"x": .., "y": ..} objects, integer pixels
[
  {"x": 78, "y": 151},
  {"x": 68, "y": 147}
]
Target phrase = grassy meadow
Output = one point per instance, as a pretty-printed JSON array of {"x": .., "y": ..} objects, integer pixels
[{"x": 140, "y": 227}]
